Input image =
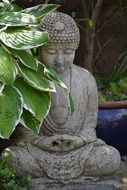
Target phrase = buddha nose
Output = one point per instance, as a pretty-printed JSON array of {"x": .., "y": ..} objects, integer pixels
[{"x": 59, "y": 59}]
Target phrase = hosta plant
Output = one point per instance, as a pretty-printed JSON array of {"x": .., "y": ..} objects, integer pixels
[
  {"x": 114, "y": 88},
  {"x": 25, "y": 83}
]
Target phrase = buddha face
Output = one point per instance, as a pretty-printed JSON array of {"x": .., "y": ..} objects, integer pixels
[{"x": 57, "y": 56}]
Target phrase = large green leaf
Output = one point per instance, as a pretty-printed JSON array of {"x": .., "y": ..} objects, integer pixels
[
  {"x": 30, "y": 122},
  {"x": 26, "y": 58},
  {"x": 1, "y": 87},
  {"x": 24, "y": 39},
  {"x": 1, "y": 6},
  {"x": 6, "y": 1},
  {"x": 72, "y": 106},
  {"x": 11, "y": 105},
  {"x": 36, "y": 102},
  {"x": 53, "y": 75},
  {"x": 17, "y": 19},
  {"x": 9, "y": 7},
  {"x": 7, "y": 67},
  {"x": 40, "y": 82},
  {"x": 40, "y": 11}
]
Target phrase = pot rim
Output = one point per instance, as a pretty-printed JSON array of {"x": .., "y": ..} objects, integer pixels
[{"x": 113, "y": 105}]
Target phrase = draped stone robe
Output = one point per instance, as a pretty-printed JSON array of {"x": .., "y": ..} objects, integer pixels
[
  {"x": 60, "y": 121},
  {"x": 82, "y": 122},
  {"x": 67, "y": 146}
]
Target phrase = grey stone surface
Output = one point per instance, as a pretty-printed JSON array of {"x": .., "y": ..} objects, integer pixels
[
  {"x": 66, "y": 147},
  {"x": 116, "y": 182},
  {"x": 105, "y": 184}
]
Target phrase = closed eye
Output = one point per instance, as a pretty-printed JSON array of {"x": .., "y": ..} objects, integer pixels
[
  {"x": 51, "y": 51},
  {"x": 68, "y": 51}
]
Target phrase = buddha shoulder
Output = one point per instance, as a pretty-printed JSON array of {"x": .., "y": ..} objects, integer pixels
[{"x": 83, "y": 75}]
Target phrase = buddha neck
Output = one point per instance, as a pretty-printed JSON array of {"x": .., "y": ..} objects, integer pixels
[{"x": 66, "y": 73}]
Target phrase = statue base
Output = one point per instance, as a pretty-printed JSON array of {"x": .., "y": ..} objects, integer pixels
[
  {"x": 105, "y": 184},
  {"x": 115, "y": 182}
]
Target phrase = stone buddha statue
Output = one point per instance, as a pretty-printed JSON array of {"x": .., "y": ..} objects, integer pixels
[{"x": 67, "y": 146}]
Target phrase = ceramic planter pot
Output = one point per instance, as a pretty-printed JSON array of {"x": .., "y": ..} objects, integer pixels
[{"x": 112, "y": 124}]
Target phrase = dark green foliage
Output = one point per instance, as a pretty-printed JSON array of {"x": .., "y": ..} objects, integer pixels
[
  {"x": 114, "y": 91},
  {"x": 114, "y": 88},
  {"x": 8, "y": 180}
]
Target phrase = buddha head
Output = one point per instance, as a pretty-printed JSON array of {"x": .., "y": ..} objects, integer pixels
[{"x": 64, "y": 38}]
